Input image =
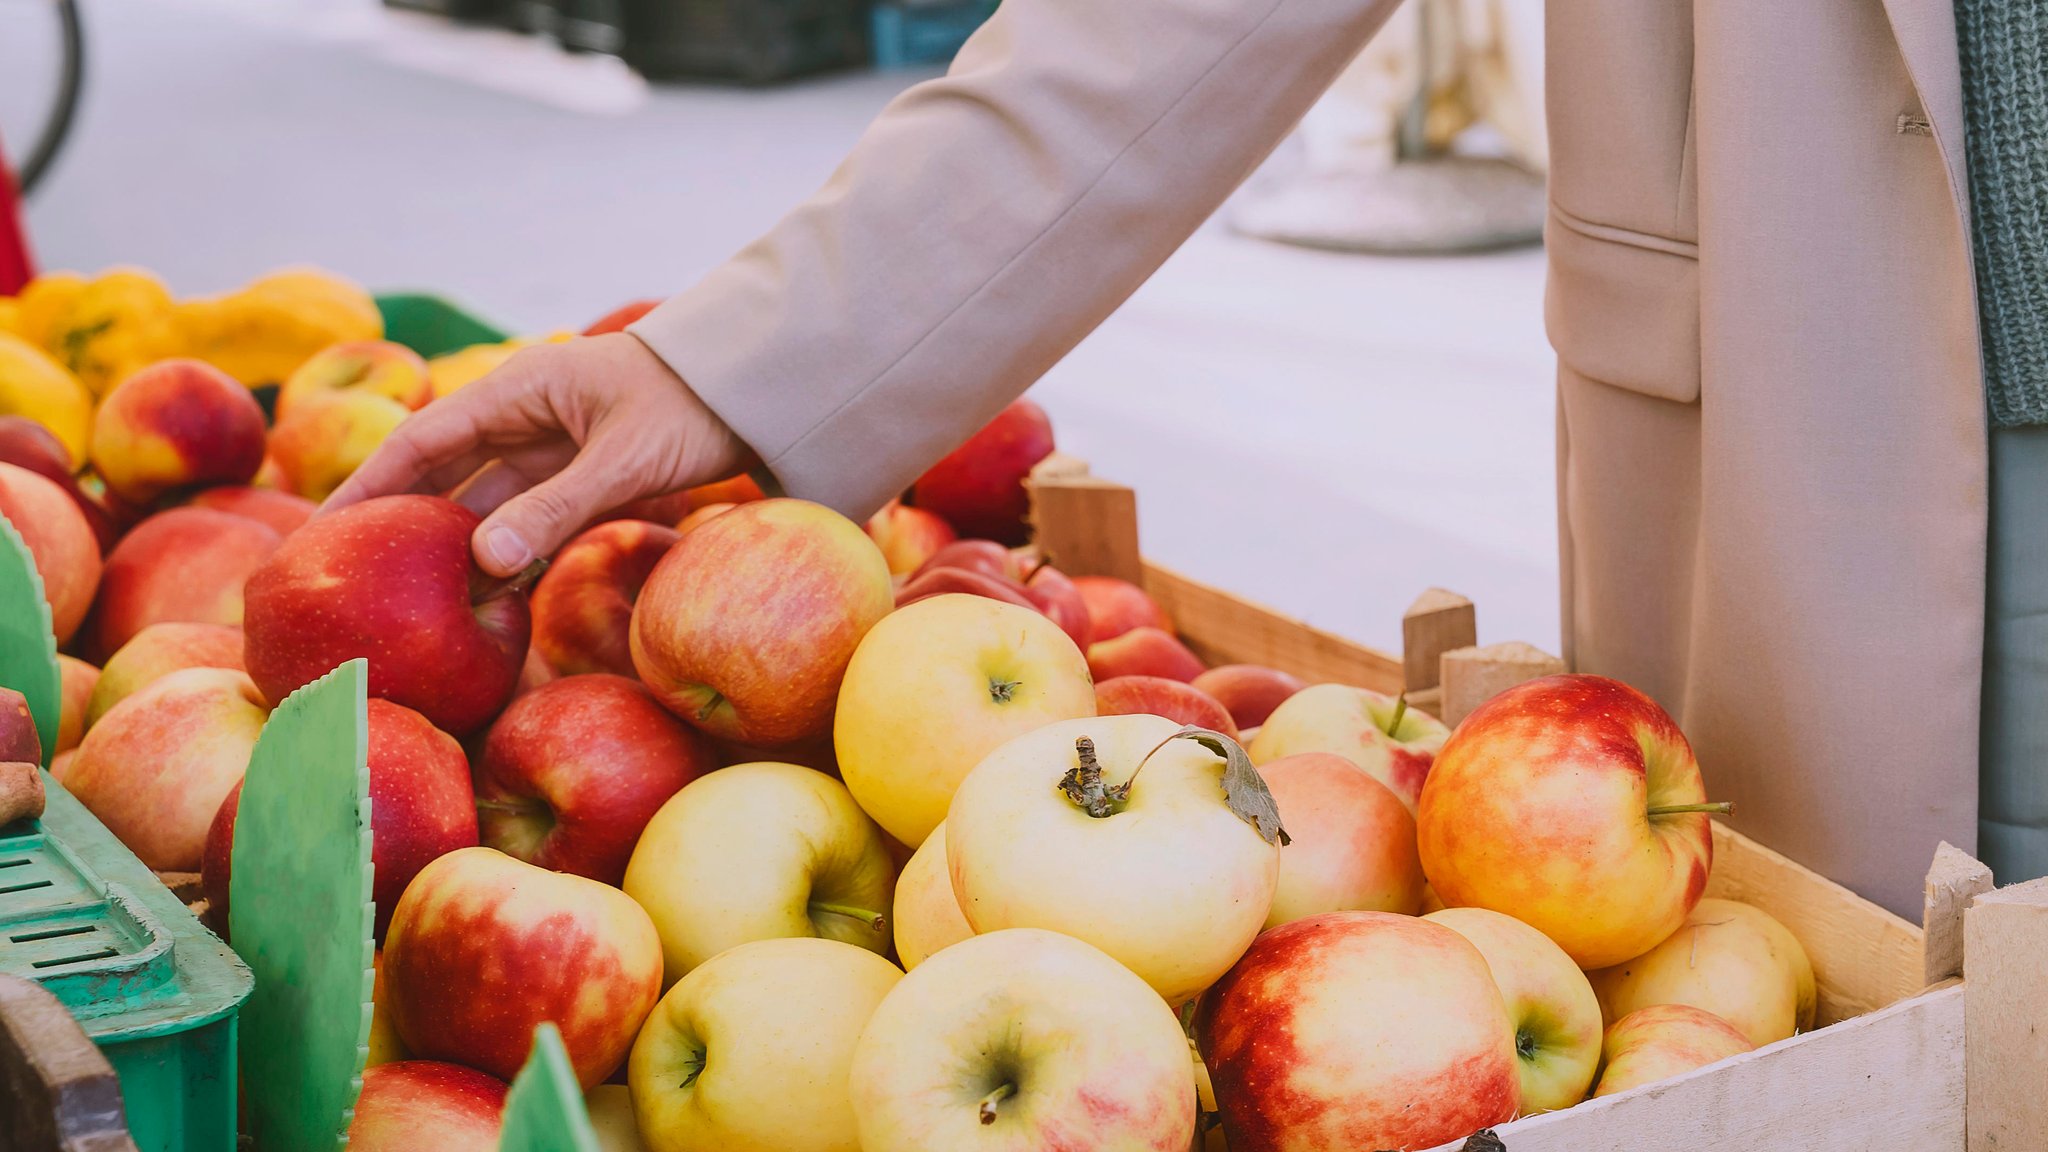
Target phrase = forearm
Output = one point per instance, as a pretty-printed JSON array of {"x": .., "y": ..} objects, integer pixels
[{"x": 988, "y": 221}]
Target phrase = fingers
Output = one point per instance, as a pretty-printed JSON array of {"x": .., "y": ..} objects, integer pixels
[{"x": 541, "y": 519}]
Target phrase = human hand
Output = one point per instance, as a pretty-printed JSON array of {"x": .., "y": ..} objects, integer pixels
[{"x": 556, "y": 436}]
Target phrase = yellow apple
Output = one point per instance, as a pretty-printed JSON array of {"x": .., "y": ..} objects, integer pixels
[
  {"x": 1394, "y": 743},
  {"x": 1730, "y": 959},
  {"x": 750, "y": 1051},
  {"x": 1168, "y": 881},
  {"x": 1662, "y": 1041},
  {"x": 1556, "y": 1016},
  {"x": 927, "y": 915},
  {"x": 937, "y": 686},
  {"x": 1022, "y": 1041},
  {"x": 756, "y": 852}
]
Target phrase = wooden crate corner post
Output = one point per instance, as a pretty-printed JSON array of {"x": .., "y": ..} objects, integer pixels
[
  {"x": 1085, "y": 525},
  {"x": 1472, "y": 676},
  {"x": 1436, "y": 623},
  {"x": 2005, "y": 1018}
]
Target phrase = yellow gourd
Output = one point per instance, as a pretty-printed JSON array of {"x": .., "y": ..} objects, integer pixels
[
  {"x": 263, "y": 332},
  {"x": 34, "y": 385}
]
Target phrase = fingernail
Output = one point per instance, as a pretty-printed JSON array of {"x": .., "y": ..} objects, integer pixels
[{"x": 505, "y": 550}]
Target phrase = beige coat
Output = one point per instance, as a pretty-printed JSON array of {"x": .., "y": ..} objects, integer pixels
[{"x": 1772, "y": 464}]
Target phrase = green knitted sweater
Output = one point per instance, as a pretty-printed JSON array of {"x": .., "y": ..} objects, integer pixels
[{"x": 2005, "y": 95}]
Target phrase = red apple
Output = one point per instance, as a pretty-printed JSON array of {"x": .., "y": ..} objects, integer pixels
[
  {"x": 983, "y": 556},
  {"x": 1056, "y": 596},
  {"x": 20, "y": 743},
  {"x": 390, "y": 579},
  {"x": 1353, "y": 841},
  {"x": 1250, "y": 691},
  {"x": 1144, "y": 652},
  {"x": 1591, "y": 777},
  {"x": 535, "y": 672},
  {"x": 741, "y": 489},
  {"x": 483, "y": 948},
  {"x": 176, "y": 424},
  {"x": 1158, "y": 696},
  {"x": 77, "y": 679},
  {"x": 619, "y": 318},
  {"x": 216, "y": 861},
  {"x": 1117, "y": 606},
  {"x": 413, "y": 1104},
  {"x": 60, "y": 542},
  {"x": 187, "y": 565},
  {"x": 697, "y": 516},
  {"x": 745, "y": 628},
  {"x": 156, "y": 652},
  {"x": 27, "y": 444},
  {"x": 376, "y": 367},
  {"x": 1358, "y": 1030},
  {"x": 1662, "y": 1041},
  {"x": 282, "y": 511},
  {"x": 583, "y": 606},
  {"x": 945, "y": 581},
  {"x": 907, "y": 536},
  {"x": 979, "y": 486},
  {"x": 573, "y": 771}
]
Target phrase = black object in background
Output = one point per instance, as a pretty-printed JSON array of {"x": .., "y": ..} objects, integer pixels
[{"x": 747, "y": 41}]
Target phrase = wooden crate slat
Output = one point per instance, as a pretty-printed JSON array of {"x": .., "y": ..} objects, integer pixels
[
  {"x": 2006, "y": 952},
  {"x": 1227, "y": 629}
]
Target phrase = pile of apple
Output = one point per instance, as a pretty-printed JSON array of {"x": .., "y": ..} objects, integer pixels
[{"x": 810, "y": 835}]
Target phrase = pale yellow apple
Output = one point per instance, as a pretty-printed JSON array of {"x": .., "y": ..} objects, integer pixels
[
  {"x": 1395, "y": 744},
  {"x": 611, "y": 1118},
  {"x": 1170, "y": 882},
  {"x": 1023, "y": 1041},
  {"x": 757, "y": 852},
  {"x": 1556, "y": 1016},
  {"x": 927, "y": 916},
  {"x": 1662, "y": 1041},
  {"x": 1731, "y": 959},
  {"x": 385, "y": 1046},
  {"x": 937, "y": 686},
  {"x": 750, "y": 1051}
]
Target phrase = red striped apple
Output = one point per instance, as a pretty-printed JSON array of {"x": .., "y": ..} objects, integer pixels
[
  {"x": 484, "y": 948},
  {"x": 1556, "y": 1016},
  {"x": 1059, "y": 829},
  {"x": 583, "y": 606},
  {"x": 1589, "y": 776},
  {"x": 60, "y": 542},
  {"x": 979, "y": 486},
  {"x": 187, "y": 565},
  {"x": 1144, "y": 652},
  {"x": 1158, "y": 696},
  {"x": 936, "y": 687},
  {"x": 1361, "y": 1030},
  {"x": 907, "y": 536},
  {"x": 984, "y": 556},
  {"x": 1022, "y": 1041},
  {"x": 1662, "y": 1041},
  {"x": 1353, "y": 841},
  {"x": 574, "y": 770},
  {"x": 745, "y": 628},
  {"x": 389, "y": 579},
  {"x": 926, "y": 916},
  {"x": 157, "y": 651},
  {"x": 1117, "y": 606},
  {"x": 1731, "y": 959},
  {"x": 403, "y": 1104},
  {"x": 1250, "y": 691},
  {"x": 751, "y": 1050},
  {"x": 283, "y": 512},
  {"x": 1394, "y": 743}
]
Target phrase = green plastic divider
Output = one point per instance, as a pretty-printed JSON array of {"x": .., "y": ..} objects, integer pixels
[
  {"x": 545, "y": 1111},
  {"x": 28, "y": 651},
  {"x": 433, "y": 326}
]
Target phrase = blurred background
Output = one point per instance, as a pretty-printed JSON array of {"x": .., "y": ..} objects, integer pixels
[{"x": 1336, "y": 395}]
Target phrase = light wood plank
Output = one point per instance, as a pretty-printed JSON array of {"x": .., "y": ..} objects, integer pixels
[
  {"x": 1084, "y": 525},
  {"x": 1953, "y": 882},
  {"x": 1472, "y": 676},
  {"x": 1864, "y": 958},
  {"x": 1437, "y": 622},
  {"x": 1892, "y": 1080},
  {"x": 1226, "y": 629},
  {"x": 2005, "y": 943}
]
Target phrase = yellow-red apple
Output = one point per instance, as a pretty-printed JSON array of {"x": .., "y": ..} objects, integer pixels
[
  {"x": 583, "y": 605},
  {"x": 411, "y": 1104},
  {"x": 155, "y": 768},
  {"x": 573, "y": 771},
  {"x": 745, "y": 628},
  {"x": 758, "y": 852},
  {"x": 926, "y": 916},
  {"x": 27, "y": 444},
  {"x": 1394, "y": 743},
  {"x": 157, "y": 651},
  {"x": 77, "y": 679},
  {"x": 378, "y": 367},
  {"x": 1589, "y": 776},
  {"x": 979, "y": 486},
  {"x": 390, "y": 579},
  {"x": 1144, "y": 652},
  {"x": 1358, "y": 1030},
  {"x": 907, "y": 536},
  {"x": 185, "y": 565},
  {"x": 176, "y": 424},
  {"x": 1158, "y": 696},
  {"x": 60, "y": 542},
  {"x": 751, "y": 1050},
  {"x": 1022, "y": 1041},
  {"x": 936, "y": 687},
  {"x": 1250, "y": 691},
  {"x": 1117, "y": 606},
  {"x": 741, "y": 489},
  {"x": 1058, "y": 829},
  {"x": 484, "y": 948},
  {"x": 1662, "y": 1041},
  {"x": 1556, "y": 1016},
  {"x": 385, "y": 1046},
  {"x": 695, "y": 517},
  {"x": 1731, "y": 959},
  {"x": 328, "y": 435},
  {"x": 1353, "y": 841},
  {"x": 282, "y": 511}
]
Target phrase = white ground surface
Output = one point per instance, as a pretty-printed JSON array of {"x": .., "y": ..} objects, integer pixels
[{"x": 1329, "y": 434}]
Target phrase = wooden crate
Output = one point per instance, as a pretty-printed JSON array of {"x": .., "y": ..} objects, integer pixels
[{"x": 1906, "y": 1054}]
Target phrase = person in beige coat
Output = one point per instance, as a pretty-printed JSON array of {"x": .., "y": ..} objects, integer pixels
[{"x": 1773, "y": 471}]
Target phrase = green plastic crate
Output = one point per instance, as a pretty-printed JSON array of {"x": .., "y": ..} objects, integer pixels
[{"x": 432, "y": 326}]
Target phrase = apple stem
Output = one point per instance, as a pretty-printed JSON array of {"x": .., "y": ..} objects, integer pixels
[
  {"x": 1043, "y": 561},
  {"x": 1720, "y": 808},
  {"x": 1003, "y": 691},
  {"x": 875, "y": 920},
  {"x": 989, "y": 1102},
  {"x": 1400, "y": 714},
  {"x": 518, "y": 582},
  {"x": 1083, "y": 784}
]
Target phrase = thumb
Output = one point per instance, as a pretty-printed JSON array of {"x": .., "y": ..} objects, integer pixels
[{"x": 540, "y": 520}]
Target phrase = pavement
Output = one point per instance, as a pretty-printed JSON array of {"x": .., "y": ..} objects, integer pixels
[{"x": 1329, "y": 434}]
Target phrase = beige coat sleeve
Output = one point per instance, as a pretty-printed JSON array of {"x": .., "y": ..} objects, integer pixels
[{"x": 987, "y": 221}]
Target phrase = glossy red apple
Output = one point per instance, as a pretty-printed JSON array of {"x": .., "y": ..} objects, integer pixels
[
  {"x": 184, "y": 565},
  {"x": 1144, "y": 652},
  {"x": 25, "y": 443},
  {"x": 415, "y": 1104},
  {"x": 1056, "y": 596},
  {"x": 907, "y": 536},
  {"x": 1158, "y": 696},
  {"x": 1117, "y": 606},
  {"x": 979, "y": 486},
  {"x": 583, "y": 606},
  {"x": 1250, "y": 691},
  {"x": 282, "y": 511},
  {"x": 390, "y": 579},
  {"x": 946, "y": 581},
  {"x": 984, "y": 556}
]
